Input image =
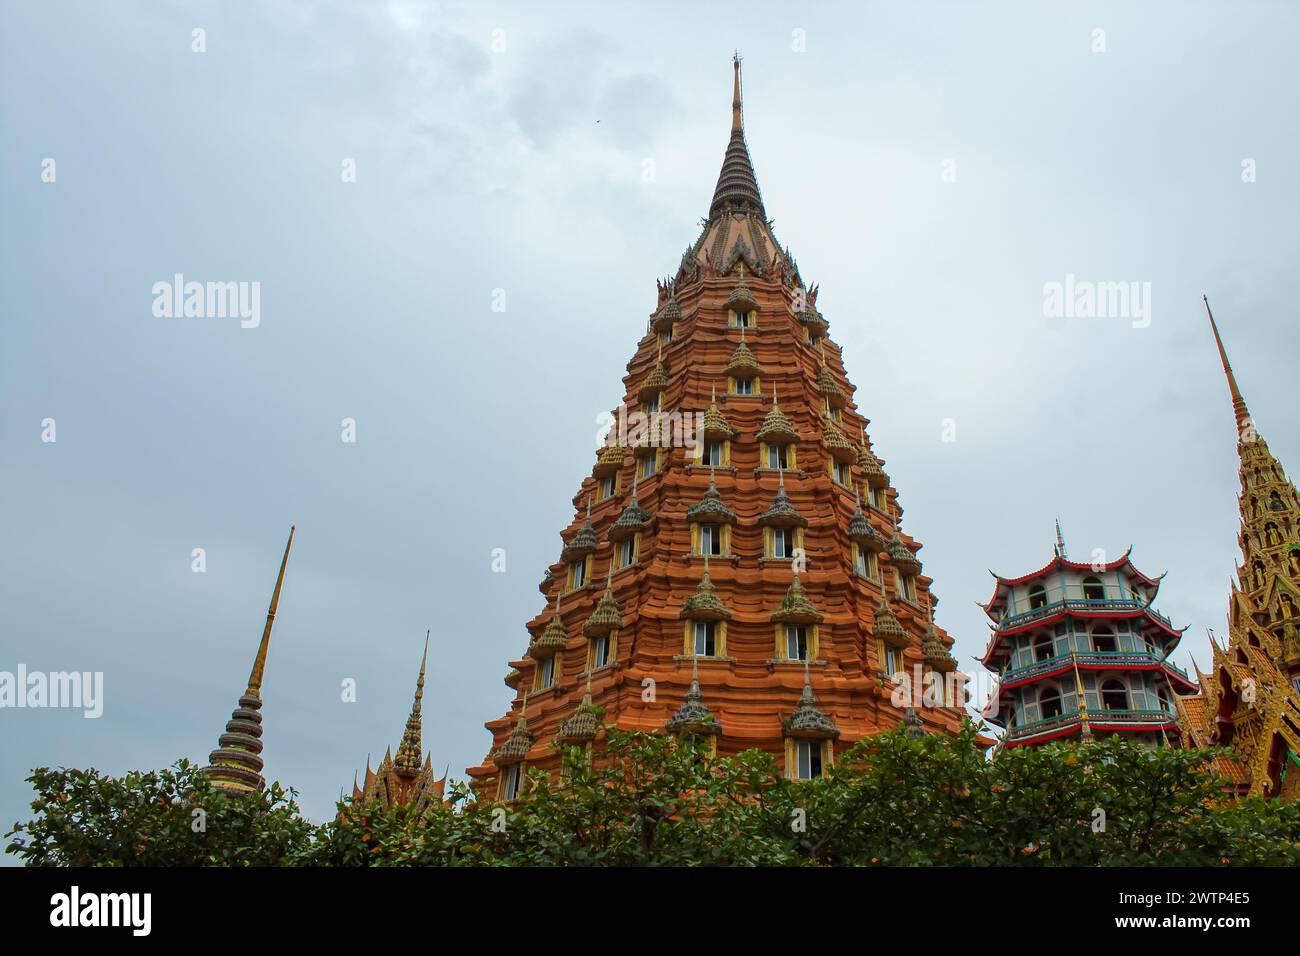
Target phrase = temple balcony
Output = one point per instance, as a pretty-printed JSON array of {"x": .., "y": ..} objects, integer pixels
[
  {"x": 1090, "y": 660},
  {"x": 1068, "y": 721},
  {"x": 1080, "y": 604}
]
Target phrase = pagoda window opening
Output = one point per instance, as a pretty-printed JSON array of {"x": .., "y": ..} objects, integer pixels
[
  {"x": 650, "y": 406},
  {"x": 706, "y": 639},
  {"x": 601, "y": 651},
  {"x": 796, "y": 642},
  {"x": 1114, "y": 695},
  {"x": 866, "y": 563},
  {"x": 546, "y": 672},
  {"x": 608, "y": 486},
  {"x": 783, "y": 542},
  {"x": 1275, "y": 502},
  {"x": 1163, "y": 697},
  {"x": 711, "y": 539},
  {"x": 742, "y": 319},
  {"x": 1049, "y": 702},
  {"x": 1103, "y": 640},
  {"x": 1043, "y": 648},
  {"x": 808, "y": 759},
  {"x": 713, "y": 453},
  {"x": 1093, "y": 590},
  {"x": 811, "y": 337},
  {"x": 625, "y": 553},
  {"x": 649, "y": 465},
  {"x": 778, "y": 457},
  {"x": 907, "y": 588},
  {"x": 510, "y": 781},
  {"x": 578, "y": 572},
  {"x": 1037, "y": 597},
  {"x": 743, "y": 386},
  {"x": 666, "y": 337},
  {"x": 841, "y": 473},
  {"x": 892, "y": 658},
  {"x": 876, "y": 498}
]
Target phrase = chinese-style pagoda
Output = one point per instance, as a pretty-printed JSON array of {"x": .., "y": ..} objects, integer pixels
[
  {"x": 1250, "y": 699},
  {"x": 1081, "y": 652},
  {"x": 735, "y": 571}
]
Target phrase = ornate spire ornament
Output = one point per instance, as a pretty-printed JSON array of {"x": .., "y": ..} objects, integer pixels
[
  {"x": 632, "y": 519},
  {"x": 776, "y": 427},
  {"x": 742, "y": 363},
  {"x": 553, "y": 639},
  {"x": 783, "y": 513},
  {"x": 236, "y": 765},
  {"x": 795, "y": 607},
  {"x": 737, "y": 185},
  {"x": 584, "y": 542},
  {"x": 693, "y": 716},
  {"x": 711, "y": 507},
  {"x": 704, "y": 604},
  {"x": 887, "y": 627},
  {"x": 411, "y": 748},
  {"x": 607, "y": 616},
  {"x": 902, "y": 557},
  {"x": 869, "y": 465},
  {"x": 715, "y": 423},
  {"x": 808, "y": 721},
  {"x": 860, "y": 531}
]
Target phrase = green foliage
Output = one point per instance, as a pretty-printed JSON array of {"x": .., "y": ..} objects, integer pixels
[
  {"x": 169, "y": 817},
  {"x": 891, "y": 800}
]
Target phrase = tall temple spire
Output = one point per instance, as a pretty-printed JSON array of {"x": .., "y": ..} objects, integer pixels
[
  {"x": 408, "y": 751},
  {"x": 737, "y": 184},
  {"x": 1060, "y": 540},
  {"x": 236, "y": 765},
  {"x": 1239, "y": 409}
]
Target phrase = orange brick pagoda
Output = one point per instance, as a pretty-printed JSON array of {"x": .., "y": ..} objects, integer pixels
[
  {"x": 735, "y": 571},
  {"x": 1250, "y": 699}
]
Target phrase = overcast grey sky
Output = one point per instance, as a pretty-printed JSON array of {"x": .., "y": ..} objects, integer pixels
[{"x": 522, "y": 169}]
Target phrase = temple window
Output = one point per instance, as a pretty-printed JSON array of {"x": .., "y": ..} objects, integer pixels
[
  {"x": 778, "y": 457},
  {"x": 876, "y": 498},
  {"x": 1093, "y": 590},
  {"x": 666, "y": 337},
  {"x": 1114, "y": 695},
  {"x": 625, "y": 552},
  {"x": 891, "y": 658},
  {"x": 741, "y": 319},
  {"x": 1037, "y": 597},
  {"x": 579, "y": 572},
  {"x": 741, "y": 386},
  {"x": 1043, "y": 649},
  {"x": 705, "y": 639},
  {"x": 711, "y": 539},
  {"x": 782, "y": 542},
  {"x": 808, "y": 758},
  {"x": 907, "y": 588},
  {"x": 1103, "y": 640},
  {"x": 797, "y": 642},
  {"x": 649, "y": 465},
  {"x": 841, "y": 473},
  {"x": 714, "y": 453},
  {"x": 607, "y": 486},
  {"x": 546, "y": 670},
  {"x": 510, "y": 778},
  {"x": 602, "y": 650},
  {"x": 650, "y": 406},
  {"x": 865, "y": 562},
  {"x": 1049, "y": 702}
]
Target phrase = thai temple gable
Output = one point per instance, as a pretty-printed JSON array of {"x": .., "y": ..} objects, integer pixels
[
  {"x": 236, "y": 765},
  {"x": 1250, "y": 698},
  {"x": 748, "y": 450}
]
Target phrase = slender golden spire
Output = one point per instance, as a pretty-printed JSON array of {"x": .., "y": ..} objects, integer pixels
[
  {"x": 236, "y": 765},
  {"x": 259, "y": 662},
  {"x": 737, "y": 116},
  {"x": 1238, "y": 403},
  {"x": 1085, "y": 729},
  {"x": 408, "y": 751}
]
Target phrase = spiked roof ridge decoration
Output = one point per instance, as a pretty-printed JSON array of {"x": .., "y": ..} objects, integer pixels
[
  {"x": 808, "y": 720},
  {"x": 826, "y": 385},
  {"x": 704, "y": 604},
  {"x": 782, "y": 514},
  {"x": 869, "y": 464},
  {"x": 903, "y": 557},
  {"x": 711, "y": 507},
  {"x": 236, "y": 765},
  {"x": 807, "y": 313},
  {"x": 795, "y": 607},
  {"x": 668, "y": 315},
  {"x": 409, "y": 750},
  {"x": 607, "y": 616},
  {"x": 693, "y": 716},
  {"x": 656, "y": 381},
  {"x": 737, "y": 185},
  {"x": 860, "y": 530},
  {"x": 887, "y": 627},
  {"x": 632, "y": 520},
  {"x": 776, "y": 426},
  {"x": 552, "y": 639},
  {"x": 584, "y": 542},
  {"x": 715, "y": 423},
  {"x": 517, "y": 745},
  {"x": 742, "y": 363}
]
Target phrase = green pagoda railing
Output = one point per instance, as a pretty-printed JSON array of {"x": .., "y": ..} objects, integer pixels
[
  {"x": 1070, "y": 717},
  {"x": 1012, "y": 621},
  {"x": 1088, "y": 658}
]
